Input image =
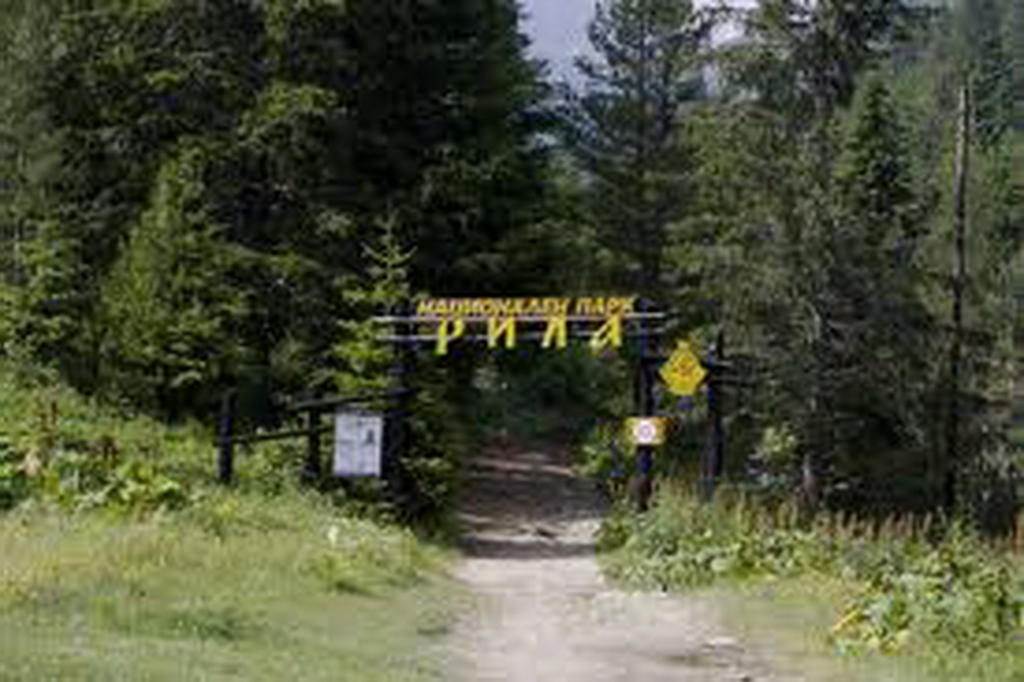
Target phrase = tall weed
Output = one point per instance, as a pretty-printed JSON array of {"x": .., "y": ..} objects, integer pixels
[
  {"x": 282, "y": 586},
  {"x": 909, "y": 580},
  {"x": 58, "y": 446}
]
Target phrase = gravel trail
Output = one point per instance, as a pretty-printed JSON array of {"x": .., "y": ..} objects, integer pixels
[{"x": 543, "y": 612}]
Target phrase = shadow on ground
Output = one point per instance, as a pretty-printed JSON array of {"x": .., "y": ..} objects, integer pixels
[
  {"x": 523, "y": 503},
  {"x": 541, "y": 609}
]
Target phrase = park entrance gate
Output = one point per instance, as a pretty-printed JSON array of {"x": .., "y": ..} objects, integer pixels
[
  {"x": 603, "y": 323},
  {"x": 446, "y": 324}
]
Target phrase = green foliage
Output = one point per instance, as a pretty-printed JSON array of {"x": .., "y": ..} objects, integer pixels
[
  {"x": 443, "y": 134},
  {"x": 365, "y": 361},
  {"x": 65, "y": 450},
  {"x": 682, "y": 543},
  {"x": 184, "y": 187},
  {"x": 169, "y": 303},
  {"x": 439, "y": 441},
  {"x": 532, "y": 394},
  {"x": 807, "y": 56},
  {"x": 605, "y": 455},
  {"x": 909, "y": 583},
  {"x": 874, "y": 173},
  {"x": 956, "y": 593},
  {"x": 825, "y": 214},
  {"x": 270, "y": 586},
  {"x": 624, "y": 129}
]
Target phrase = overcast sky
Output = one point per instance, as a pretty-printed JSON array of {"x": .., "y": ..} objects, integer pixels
[{"x": 558, "y": 29}]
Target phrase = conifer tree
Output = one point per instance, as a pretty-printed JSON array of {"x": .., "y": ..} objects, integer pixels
[
  {"x": 30, "y": 153},
  {"x": 881, "y": 347},
  {"x": 626, "y": 128},
  {"x": 983, "y": 58},
  {"x": 168, "y": 306},
  {"x": 446, "y": 108}
]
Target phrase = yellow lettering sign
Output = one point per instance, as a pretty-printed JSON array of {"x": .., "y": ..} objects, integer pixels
[
  {"x": 502, "y": 315},
  {"x": 609, "y": 334},
  {"x": 448, "y": 330},
  {"x": 621, "y": 306},
  {"x": 498, "y": 327},
  {"x": 524, "y": 307},
  {"x": 557, "y": 332}
]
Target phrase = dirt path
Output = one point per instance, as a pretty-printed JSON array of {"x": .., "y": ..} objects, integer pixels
[{"x": 543, "y": 612}]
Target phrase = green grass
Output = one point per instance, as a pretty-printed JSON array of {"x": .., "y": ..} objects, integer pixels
[
  {"x": 838, "y": 598},
  {"x": 119, "y": 561},
  {"x": 785, "y": 621},
  {"x": 234, "y": 587}
]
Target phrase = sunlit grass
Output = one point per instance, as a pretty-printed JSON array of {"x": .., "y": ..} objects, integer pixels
[
  {"x": 236, "y": 587},
  {"x": 785, "y": 621},
  {"x": 838, "y": 598}
]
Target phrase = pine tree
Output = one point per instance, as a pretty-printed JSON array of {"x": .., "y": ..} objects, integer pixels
[
  {"x": 30, "y": 153},
  {"x": 446, "y": 109},
  {"x": 881, "y": 346},
  {"x": 807, "y": 55},
  {"x": 874, "y": 175},
  {"x": 169, "y": 309},
  {"x": 364, "y": 360},
  {"x": 626, "y": 128},
  {"x": 982, "y": 57},
  {"x": 1014, "y": 41}
]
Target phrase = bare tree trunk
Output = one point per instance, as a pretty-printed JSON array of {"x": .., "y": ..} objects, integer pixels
[{"x": 959, "y": 280}]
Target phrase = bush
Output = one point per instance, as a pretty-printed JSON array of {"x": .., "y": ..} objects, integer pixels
[
  {"x": 604, "y": 455},
  {"x": 957, "y": 592},
  {"x": 907, "y": 580},
  {"x": 682, "y": 543},
  {"x": 57, "y": 446}
]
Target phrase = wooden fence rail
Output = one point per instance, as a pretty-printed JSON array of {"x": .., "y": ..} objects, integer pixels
[{"x": 315, "y": 410}]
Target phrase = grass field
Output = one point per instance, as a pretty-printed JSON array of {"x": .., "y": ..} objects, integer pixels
[
  {"x": 786, "y": 621},
  {"x": 235, "y": 587},
  {"x": 840, "y": 599}
]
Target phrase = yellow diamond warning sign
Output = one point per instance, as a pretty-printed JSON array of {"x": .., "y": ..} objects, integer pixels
[{"x": 683, "y": 372}]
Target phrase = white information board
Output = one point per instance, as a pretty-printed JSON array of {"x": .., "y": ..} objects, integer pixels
[{"x": 358, "y": 444}]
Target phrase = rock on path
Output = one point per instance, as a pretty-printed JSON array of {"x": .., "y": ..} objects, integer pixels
[{"x": 542, "y": 610}]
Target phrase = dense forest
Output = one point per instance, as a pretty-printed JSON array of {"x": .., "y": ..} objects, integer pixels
[{"x": 204, "y": 194}]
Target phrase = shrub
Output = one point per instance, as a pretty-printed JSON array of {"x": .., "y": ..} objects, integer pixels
[
  {"x": 603, "y": 455},
  {"x": 60, "y": 447},
  {"x": 958, "y": 592},
  {"x": 907, "y": 580}
]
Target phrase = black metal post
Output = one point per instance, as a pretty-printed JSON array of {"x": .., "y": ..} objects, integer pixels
[
  {"x": 397, "y": 427},
  {"x": 646, "y": 407},
  {"x": 226, "y": 451},
  {"x": 717, "y": 424},
  {"x": 312, "y": 470},
  {"x": 960, "y": 188},
  {"x": 714, "y": 454}
]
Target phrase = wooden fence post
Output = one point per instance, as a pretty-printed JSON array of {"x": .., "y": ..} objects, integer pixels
[
  {"x": 226, "y": 450},
  {"x": 312, "y": 470}
]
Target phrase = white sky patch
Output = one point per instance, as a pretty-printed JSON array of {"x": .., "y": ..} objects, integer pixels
[{"x": 558, "y": 30}]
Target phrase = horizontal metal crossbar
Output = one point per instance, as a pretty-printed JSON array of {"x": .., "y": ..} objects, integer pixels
[
  {"x": 529, "y": 336},
  {"x": 278, "y": 435},
  {"x": 414, "y": 319},
  {"x": 334, "y": 401}
]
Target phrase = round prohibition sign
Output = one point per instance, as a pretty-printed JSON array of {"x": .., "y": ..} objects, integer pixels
[
  {"x": 644, "y": 432},
  {"x": 647, "y": 430}
]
